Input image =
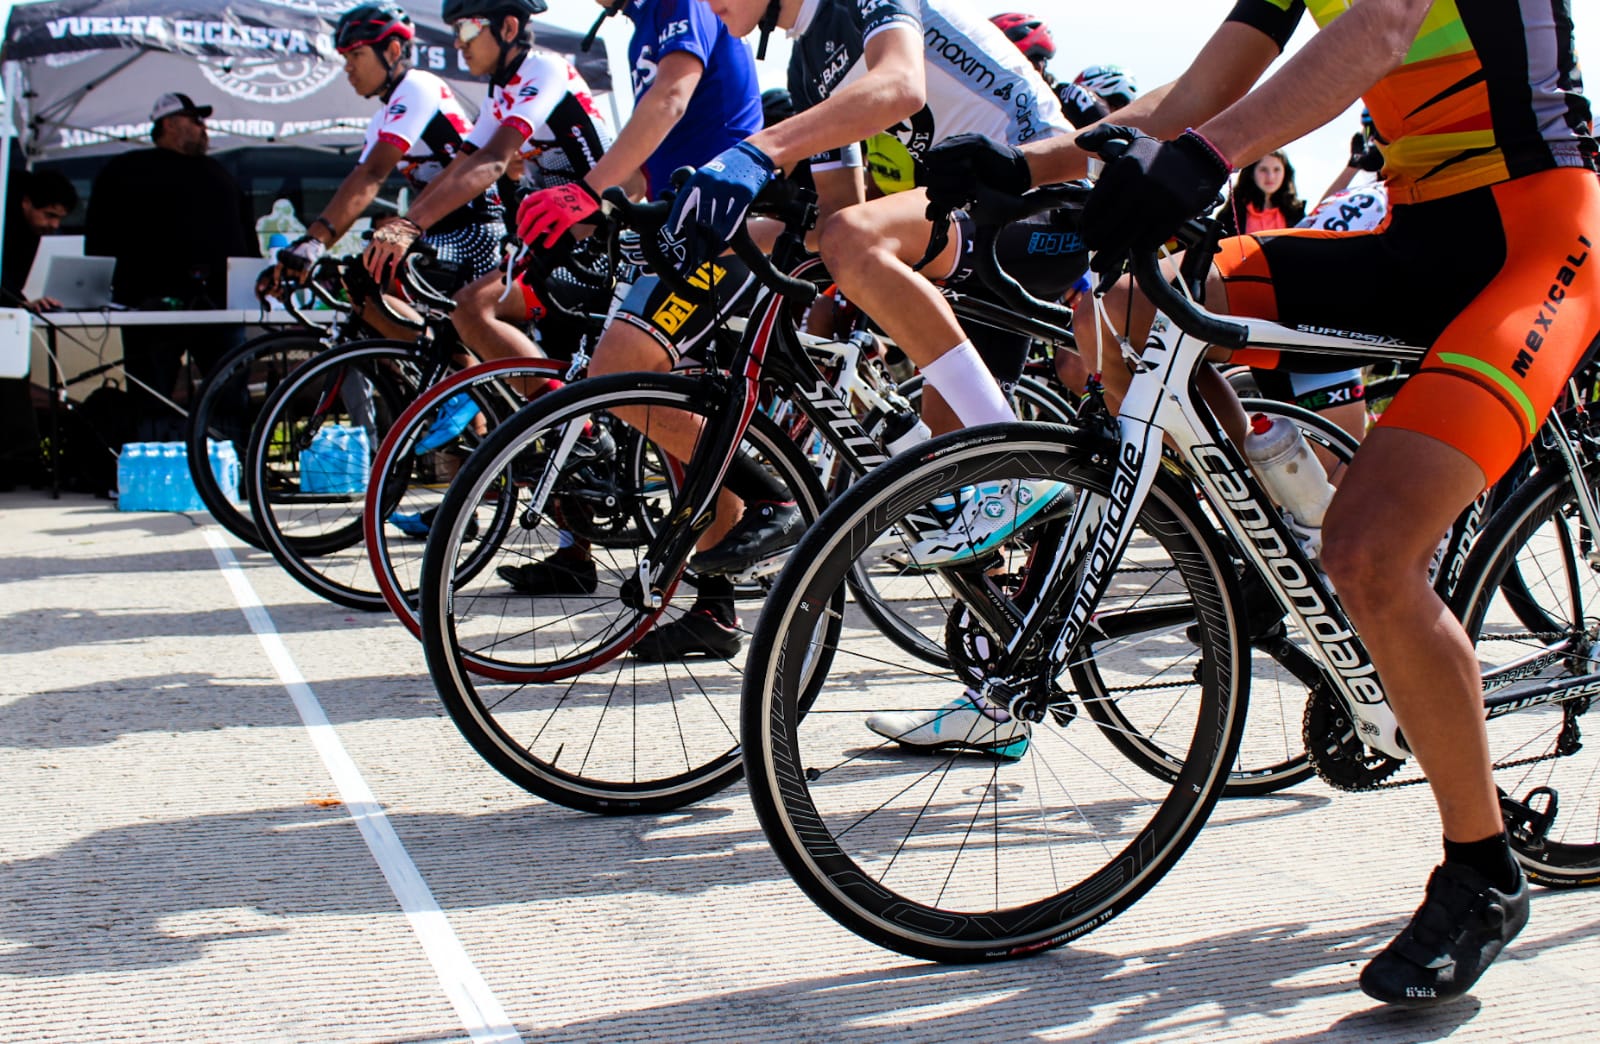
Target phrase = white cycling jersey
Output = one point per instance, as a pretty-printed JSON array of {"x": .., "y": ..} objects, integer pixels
[
  {"x": 977, "y": 80},
  {"x": 423, "y": 119},
  {"x": 548, "y": 102}
]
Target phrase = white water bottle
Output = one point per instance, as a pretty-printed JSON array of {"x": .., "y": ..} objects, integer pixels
[{"x": 1291, "y": 473}]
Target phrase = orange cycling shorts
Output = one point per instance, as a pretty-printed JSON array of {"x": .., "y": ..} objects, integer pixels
[{"x": 1503, "y": 282}]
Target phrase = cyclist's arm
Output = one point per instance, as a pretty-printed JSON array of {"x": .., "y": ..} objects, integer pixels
[
  {"x": 1224, "y": 70},
  {"x": 893, "y": 88},
  {"x": 355, "y": 193},
  {"x": 1350, "y": 54},
  {"x": 656, "y": 112},
  {"x": 466, "y": 178}
]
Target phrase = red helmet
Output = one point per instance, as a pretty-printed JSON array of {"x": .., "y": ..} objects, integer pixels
[{"x": 1029, "y": 34}]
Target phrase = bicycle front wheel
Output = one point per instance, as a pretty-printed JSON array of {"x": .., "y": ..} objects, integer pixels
[
  {"x": 230, "y": 401},
  {"x": 543, "y": 671},
  {"x": 940, "y": 851},
  {"x": 311, "y": 455}
]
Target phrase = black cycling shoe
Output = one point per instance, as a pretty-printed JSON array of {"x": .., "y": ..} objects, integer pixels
[
  {"x": 766, "y": 528},
  {"x": 557, "y": 575},
  {"x": 1459, "y": 930},
  {"x": 697, "y": 633}
]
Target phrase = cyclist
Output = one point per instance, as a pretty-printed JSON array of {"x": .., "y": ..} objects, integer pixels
[
  {"x": 1112, "y": 84},
  {"x": 1488, "y": 256},
  {"x": 927, "y": 69},
  {"x": 418, "y": 129},
  {"x": 695, "y": 94},
  {"x": 539, "y": 115},
  {"x": 1080, "y": 105}
]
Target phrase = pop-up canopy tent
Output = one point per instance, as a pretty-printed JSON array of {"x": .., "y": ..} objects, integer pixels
[{"x": 83, "y": 74}]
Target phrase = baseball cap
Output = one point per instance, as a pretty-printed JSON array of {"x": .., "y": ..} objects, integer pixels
[{"x": 177, "y": 104}]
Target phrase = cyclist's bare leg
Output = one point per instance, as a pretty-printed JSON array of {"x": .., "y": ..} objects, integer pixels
[
  {"x": 374, "y": 316},
  {"x": 488, "y": 324},
  {"x": 1129, "y": 314},
  {"x": 869, "y": 250},
  {"x": 1399, "y": 495},
  {"x": 627, "y": 349}
]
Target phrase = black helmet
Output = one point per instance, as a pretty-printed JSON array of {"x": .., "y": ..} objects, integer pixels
[
  {"x": 455, "y": 10},
  {"x": 776, "y": 106},
  {"x": 372, "y": 24}
]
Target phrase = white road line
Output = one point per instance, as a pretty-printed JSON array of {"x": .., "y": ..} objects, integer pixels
[{"x": 480, "y": 1010}]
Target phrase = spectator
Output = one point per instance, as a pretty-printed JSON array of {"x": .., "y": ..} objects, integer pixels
[
  {"x": 38, "y": 202},
  {"x": 171, "y": 216},
  {"x": 1264, "y": 198}
]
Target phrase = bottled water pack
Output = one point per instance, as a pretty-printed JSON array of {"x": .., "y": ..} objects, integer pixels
[{"x": 154, "y": 476}]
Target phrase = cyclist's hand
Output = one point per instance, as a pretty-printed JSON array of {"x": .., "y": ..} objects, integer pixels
[
  {"x": 389, "y": 244},
  {"x": 957, "y": 167},
  {"x": 711, "y": 206},
  {"x": 550, "y": 212},
  {"x": 1365, "y": 154},
  {"x": 1148, "y": 191}
]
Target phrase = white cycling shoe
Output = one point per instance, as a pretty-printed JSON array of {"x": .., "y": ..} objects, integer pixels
[
  {"x": 995, "y": 512},
  {"x": 966, "y": 723}
]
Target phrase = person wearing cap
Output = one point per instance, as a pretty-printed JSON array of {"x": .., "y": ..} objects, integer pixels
[{"x": 172, "y": 216}]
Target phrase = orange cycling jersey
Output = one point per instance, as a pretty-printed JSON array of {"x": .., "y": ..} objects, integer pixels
[{"x": 1487, "y": 92}]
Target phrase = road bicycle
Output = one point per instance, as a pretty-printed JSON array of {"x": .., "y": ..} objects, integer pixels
[{"x": 1122, "y": 640}]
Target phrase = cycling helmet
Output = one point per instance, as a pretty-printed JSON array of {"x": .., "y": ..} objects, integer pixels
[
  {"x": 369, "y": 25},
  {"x": 1109, "y": 82},
  {"x": 776, "y": 106},
  {"x": 455, "y": 10},
  {"x": 1031, "y": 36}
]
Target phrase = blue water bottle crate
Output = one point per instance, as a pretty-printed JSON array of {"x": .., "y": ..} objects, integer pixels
[
  {"x": 337, "y": 460},
  {"x": 154, "y": 476}
]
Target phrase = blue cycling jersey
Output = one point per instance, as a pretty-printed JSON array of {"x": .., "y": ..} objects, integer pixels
[{"x": 726, "y": 105}]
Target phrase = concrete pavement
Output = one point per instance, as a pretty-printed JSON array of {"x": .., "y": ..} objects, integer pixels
[{"x": 183, "y": 858}]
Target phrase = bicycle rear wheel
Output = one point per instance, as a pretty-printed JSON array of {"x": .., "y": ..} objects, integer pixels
[
  {"x": 307, "y": 492},
  {"x": 1547, "y": 772},
  {"x": 548, "y": 688},
  {"x": 229, "y": 403},
  {"x": 957, "y": 855}
]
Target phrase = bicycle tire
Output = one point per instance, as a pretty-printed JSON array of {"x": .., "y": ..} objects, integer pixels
[
  {"x": 316, "y": 535},
  {"x": 544, "y": 689},
  {"x": 840, "y": 812},
  {"x": 1540, "y": 534},
  {"x": 270, "y": 357},
  {"x": 396, "y": 559}
]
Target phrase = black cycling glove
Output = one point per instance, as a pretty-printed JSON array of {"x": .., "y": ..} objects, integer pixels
[
  {"x": 1146, "y": 193},
  {"x": 1364, "y": 155},
  {"x": 955, "y": 168}
]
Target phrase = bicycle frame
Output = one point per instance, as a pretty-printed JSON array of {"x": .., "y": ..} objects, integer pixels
[{"x": 1161, "y": 404}]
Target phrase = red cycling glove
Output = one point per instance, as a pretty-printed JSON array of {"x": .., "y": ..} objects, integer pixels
[{"x": 551, "y": 211}]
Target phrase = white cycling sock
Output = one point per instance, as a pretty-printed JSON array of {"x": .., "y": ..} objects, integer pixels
[{"x": 967, "y": 385}]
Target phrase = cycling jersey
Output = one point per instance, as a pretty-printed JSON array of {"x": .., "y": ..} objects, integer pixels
[
  {"x": 547, "y": 101},
  {"x": 1487, "y": 92},
  {"x": 726, "y": 105},
  {"x": 422, "y": 118},
  {"x": 977, "y": 80}
]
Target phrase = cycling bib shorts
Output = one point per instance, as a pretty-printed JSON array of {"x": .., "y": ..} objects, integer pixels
[{"x": 1508, "y": 299}]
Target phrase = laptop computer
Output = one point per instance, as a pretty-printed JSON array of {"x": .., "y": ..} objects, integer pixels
[
  {"x": 81, "y": 284},
  {"x": 242, "y": 273}
]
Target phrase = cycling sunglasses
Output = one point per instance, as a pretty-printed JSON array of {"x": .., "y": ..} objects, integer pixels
[{"x": 467, "y": 29}]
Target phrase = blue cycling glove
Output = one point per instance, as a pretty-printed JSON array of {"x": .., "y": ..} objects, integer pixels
[{"x": 711, "y": 206}]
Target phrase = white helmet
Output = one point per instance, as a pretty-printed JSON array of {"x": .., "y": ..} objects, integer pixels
[{"x": 1110, "y": 82}]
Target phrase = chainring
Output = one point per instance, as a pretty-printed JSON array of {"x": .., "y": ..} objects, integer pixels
[
  {"x": 973, "y": 653},
  {"x": 1335, "y": 751}
]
